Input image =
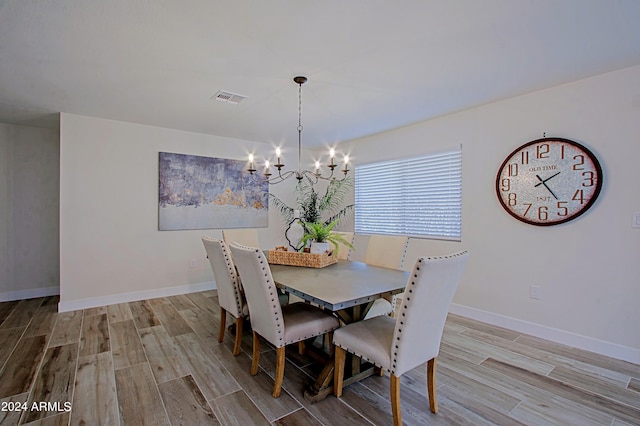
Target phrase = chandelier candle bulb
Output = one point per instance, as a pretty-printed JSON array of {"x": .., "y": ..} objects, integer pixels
[{"x": 346, "y": 163}]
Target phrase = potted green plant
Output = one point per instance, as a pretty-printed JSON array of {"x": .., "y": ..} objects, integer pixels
[
  {"x": 316, "y": 207},
  {"x": 321, "y": 236}
]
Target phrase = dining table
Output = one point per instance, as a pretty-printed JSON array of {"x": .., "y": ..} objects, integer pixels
[{"x": 347, "y": 288}]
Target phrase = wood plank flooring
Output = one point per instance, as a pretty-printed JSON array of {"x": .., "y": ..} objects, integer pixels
[{"x": 158, "y": 362}]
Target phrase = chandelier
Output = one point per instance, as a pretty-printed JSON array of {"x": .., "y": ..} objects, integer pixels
[{"x": 314, "y": 175}]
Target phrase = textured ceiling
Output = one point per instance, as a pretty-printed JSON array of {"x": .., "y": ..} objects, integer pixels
[{"x": 372, "y": 65}]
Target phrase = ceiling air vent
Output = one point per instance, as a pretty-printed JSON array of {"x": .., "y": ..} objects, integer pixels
[{"x": 228, "y": 97}]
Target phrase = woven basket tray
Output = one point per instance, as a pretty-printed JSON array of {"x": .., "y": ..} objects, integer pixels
[{"x": 307, "y": 260}]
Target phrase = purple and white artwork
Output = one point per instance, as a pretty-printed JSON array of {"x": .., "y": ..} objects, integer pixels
[{"x": 204, "y": 192}]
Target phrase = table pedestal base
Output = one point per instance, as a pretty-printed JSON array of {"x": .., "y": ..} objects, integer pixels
[{"x": 323, "y": 386}]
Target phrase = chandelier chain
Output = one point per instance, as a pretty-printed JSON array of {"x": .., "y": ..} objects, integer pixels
[{"x": 299, "y": 107}]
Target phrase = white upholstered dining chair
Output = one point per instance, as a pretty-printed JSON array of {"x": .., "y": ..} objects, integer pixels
[
  {"x": 344, "y": 250},
  {"x": 279, "y": 325},
  {"x": 230, "y": 295},
  {"x": 413, "y": 338},
  {"x": 386, "y": 251}
]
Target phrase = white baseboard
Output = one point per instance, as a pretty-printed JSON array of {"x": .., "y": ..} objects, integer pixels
[
  {"x": 29, "y": 293},
  {"x": 590, "y": 344},
  {"x": 94, "y": 302}
]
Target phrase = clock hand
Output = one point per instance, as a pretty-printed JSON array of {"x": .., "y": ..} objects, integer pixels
[{"x": 544, "y": 182}]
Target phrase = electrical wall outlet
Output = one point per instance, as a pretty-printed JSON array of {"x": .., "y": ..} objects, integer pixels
[
  {"x": 193, "y": 263},
  {"x": 535, "y": 292}
]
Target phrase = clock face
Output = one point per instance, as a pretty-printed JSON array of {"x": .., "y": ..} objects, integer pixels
[{"x": 549, "y": 181}]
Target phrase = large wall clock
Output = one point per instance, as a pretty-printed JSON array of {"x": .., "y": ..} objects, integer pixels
[{"x": 549, "y": 181}]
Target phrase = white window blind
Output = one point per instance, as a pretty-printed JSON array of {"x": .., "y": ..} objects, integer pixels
[{"x": 415, "y": 197}]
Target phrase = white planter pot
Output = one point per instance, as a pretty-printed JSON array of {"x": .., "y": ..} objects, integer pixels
[{"x": 319, "y": 248}]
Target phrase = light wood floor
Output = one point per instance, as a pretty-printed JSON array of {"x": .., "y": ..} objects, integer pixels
[{"x": 158, "y": 362}]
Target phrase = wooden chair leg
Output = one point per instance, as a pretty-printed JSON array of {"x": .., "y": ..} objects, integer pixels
[
  {"x": 395, "y": 400},
  {"x": 277, "y": 387},
  {"x": 236, "y": 346},
  {"x": 301, "y": 347},
  {"x": 338, "y": 372},
  {"x": 431, "y": 385},
  {"x": 256, "y": 354},
  {"x": 223, "y": 321}
]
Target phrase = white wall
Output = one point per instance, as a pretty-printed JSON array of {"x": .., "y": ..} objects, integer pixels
[
  {"x": 111, "y": 251},
  {"x": 589, "y": 268},
  {"x": 110, "y": 247},
  {"x": 29, "y": 166}
]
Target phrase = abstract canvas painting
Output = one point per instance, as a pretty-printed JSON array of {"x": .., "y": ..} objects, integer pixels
[{"x": 204, "y": 193}]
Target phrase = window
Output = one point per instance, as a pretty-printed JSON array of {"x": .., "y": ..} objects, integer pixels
[{"x": 416, "y": 197}]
